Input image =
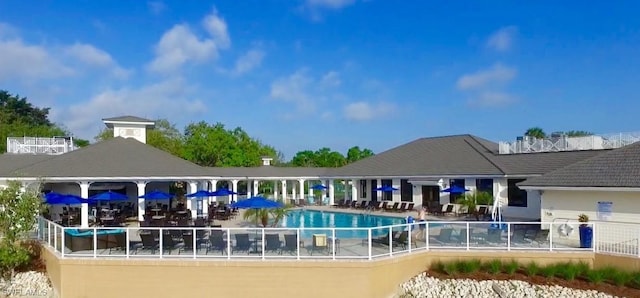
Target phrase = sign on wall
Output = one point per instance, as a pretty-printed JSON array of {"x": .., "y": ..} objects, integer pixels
[{"x": 605, "y": 210}]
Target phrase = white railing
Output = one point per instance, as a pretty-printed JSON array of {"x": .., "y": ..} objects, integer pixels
[
  {"x": 564, "y": 143},
  {"x": 332, "y": 243},
  {"x": 36, "y": 145}
]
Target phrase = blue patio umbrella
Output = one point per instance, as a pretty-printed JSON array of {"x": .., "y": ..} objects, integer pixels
[
  {"x": 386, "y": 188},
  {"x": 223, "y": 192},
  {"x": 318, "y": 187},
  {"x": 109, "y": 196},
  {"x": 455, "y": 189},
  {"x": 157, "y": 195},
  {"x": 257, "y": 202},
  {"x": 200, "y": 194}
]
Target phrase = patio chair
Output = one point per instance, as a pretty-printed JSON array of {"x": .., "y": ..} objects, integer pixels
[
  {"x": 384, "y": 206},
  {"x": 216, "y": 242},
  {"x": 518, "y": 238},
  {"x": 290, "y": 244},
  {"x": 384, "y": 240},
  {"x": 187, "y": 240},
  {"x": 447, "y": 209},
  {"x": 340, "y": 203},
  {"x": 403, "y": 240},
  {"x": 169, "y": 244},
  {"x": 394, "y": 207},
  {"x": 444, "y": 237},
  {"x": 363, "y": 205},
  {"x": 149, "y": 242},
  {"x": 354, "y": 204},
  {"x": 272, "y": 243},
  {"x": 319, "y": 243},
  {"x": 346, "y": 204},
  {"x": 410, "y": 206},
  {"x": 242, "y": 243},
  {"x": 403, "y": 208}
]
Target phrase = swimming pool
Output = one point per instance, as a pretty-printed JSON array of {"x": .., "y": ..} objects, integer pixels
[{"x": 313, "y": 219}]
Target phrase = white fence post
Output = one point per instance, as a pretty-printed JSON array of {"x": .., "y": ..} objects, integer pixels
[
  {"x": 426, "y": 234},
  {"x": 127, "y": 242},
  {"x": 62, "y": 243},
  {"x": 369, "y": 236},
  {"x": 551, "y": 236},
  {"x": 508, "y": 235}
]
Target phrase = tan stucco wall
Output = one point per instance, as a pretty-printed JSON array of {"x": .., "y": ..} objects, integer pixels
[
  {"x": 238, "y": 278},
  {"x": 558, "y": 204},
  {"x": 630, "y": 264}
]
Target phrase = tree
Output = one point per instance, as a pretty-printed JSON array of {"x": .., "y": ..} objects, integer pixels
[
  {"x": 17, "y": 219},
  {"x": 165, "y": 136},
  {"x": 578, "y": 133},
  {"x": 19, "y": 118},
  {"x": 263, "y": 215},
  {"x": 535, "y": 132},
  {"x": 472, "y": 200},
  {"x": 354, "y": 154},
  {"x": 304, "y": 158}
]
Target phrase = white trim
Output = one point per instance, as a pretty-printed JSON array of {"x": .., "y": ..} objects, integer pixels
[
  {"x": 150, "y": 123},
  {"x": 588, "y": 188}
]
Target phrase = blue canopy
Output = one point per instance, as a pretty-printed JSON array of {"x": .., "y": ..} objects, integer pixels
[
  {"x": 318, "y": 187},
  {"x": 386, "y": 188},
  {"x": 455, "y": 189},
  {"x": 200, "y": 194},
  {"x": 257, "y": 203},
  {"x": 60, "y": 199},
  {"x": 157, "y": 195},
  {"x": 109, "y": 196},
  {"x": 223, "y": 192}
]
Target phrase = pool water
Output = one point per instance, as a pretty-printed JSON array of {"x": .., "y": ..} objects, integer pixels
[{"x": 312, "y": 219}]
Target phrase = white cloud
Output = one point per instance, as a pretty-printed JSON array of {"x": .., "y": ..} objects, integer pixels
[
  {"x": 179, "y": 45},
  {"x": 7, "y": 30},
  {"x": 156, "y": 7},
  {"x": 217, "y": 28},
  {"x": 92, "y": 56},
  {"x": 248, "y": 61},
  {"x": 495, "y": 75},
  {"x": 331, "y": 79},
  {"x": 329, "y": 4},
  {"x": 294, "y": 89},
  {"x": 492, "y": 99},
  {"x": 167, "y": 99},
  {"x": 502, "y": 40},
  {"x": 365, "y": 111},
  {"x": 23, "y": 61}
]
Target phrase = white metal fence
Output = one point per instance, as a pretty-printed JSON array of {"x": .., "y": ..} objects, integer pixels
[
  {"x": 565, "y": 143},
  {"x": 333, "y": 243}
]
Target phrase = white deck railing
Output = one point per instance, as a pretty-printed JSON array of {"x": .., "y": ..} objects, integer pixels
[
  {"x": 332, "y": 243},
  {"x": 564, "y": 143},
  {"x": 36, "y": 145}
]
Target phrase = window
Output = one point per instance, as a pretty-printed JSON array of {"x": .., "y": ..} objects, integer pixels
[
  {"x": 374, "y": 193},
  {"x": 485, "y": 185},
  {"x": 406, "y": 191},
  {"x": 517, "y": 197},
  {"x": 363, "y": 189},
  {"x": 387, "y": 195},
  {"x": 453, "y": 197}
]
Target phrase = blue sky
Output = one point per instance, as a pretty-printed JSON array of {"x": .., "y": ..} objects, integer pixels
[{"x": 329, "y": 73}]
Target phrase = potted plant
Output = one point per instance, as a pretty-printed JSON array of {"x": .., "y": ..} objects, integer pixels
[{"x": 586, "y": 231}]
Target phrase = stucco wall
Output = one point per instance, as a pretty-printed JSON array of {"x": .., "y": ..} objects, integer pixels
[{"x": 567, "y": 204}]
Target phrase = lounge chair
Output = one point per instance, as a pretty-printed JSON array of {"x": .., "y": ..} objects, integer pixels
[
  {"x": 403, "y": 240},
  {"x": 272, "y": 243},
  {"x": 242, "y": 243},
  {"x": 410, "y": 206},
  {"x": 394, "y": 207},
  {"x": 403, "y": 208},
  {"x": 362, "y": 205},
  {"x": 149, "y": 242},
  {"x": 169, "y": 244},
  {"x": 340, "y": 204},
  {"x": 319, "y": 243},
  {"x": 444, "y": 237},
  {"x": 384, "y": 206},
  {"x": 384, "y": 240},
  {"x": 354, "y": 204},
  {"x": 290, "y": 243},
  {"x": 447, "y": 209},
  {"x": 216, "y": 242}
]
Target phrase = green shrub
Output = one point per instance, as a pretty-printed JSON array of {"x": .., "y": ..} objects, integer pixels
[
  {"x": 596, "y": 276},
  {"x": 12, "y": 257},
  {"x": 451, "y": 268},
  {"x": 584, "y": 268},
  {"x": 470, "y": 266},
  {"x": 621, "y": 278},
  {"x": 635, "y": 280},
  {"x": 549, "y": 271},
  {"x": 438, "y": 267},
  {"x": 493, "y": 267},
  {"x": 608, "y": 273},
  {"x": 532, "y": 269},
  {"x": 511, "y": 267},
  {"x": 568, "y": 271}
]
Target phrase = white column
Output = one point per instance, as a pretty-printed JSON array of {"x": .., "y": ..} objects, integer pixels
[
  {"x": 301, "y": 185},
  {"x": 234, "y": 187},
  {"x": 283, "y": 183},
  {"x": 324, "y": 190},
  {"x": 331, "y": 192},
  {"x": 275, "y": 190},
  {"x": 142, "y": 185},
  {"x": 379, "y": 193},
  {"x": 293, "y": 191},
  {"x": 191, "y": 202},
  {"x": 84, "y": 210},
  {"x": 309, "y": 189},
  {"x": 256, "y": 188},
  {"x": 355, "y": 184},
  {"x": 249, "y": 188}
]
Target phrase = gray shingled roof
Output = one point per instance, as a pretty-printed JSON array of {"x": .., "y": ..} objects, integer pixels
[
  {"x": 12, "y": 162},
  {"x": 117, "y": 157},
  {"x": 438, "y": 156},
  {"x": 540, "y": 163},
  {"x": 614, "y": 168},
  {"x": 127, "y": 119}
]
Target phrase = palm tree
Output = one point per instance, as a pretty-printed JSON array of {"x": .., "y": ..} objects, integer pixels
[
  {"x": 263, "y": 215},
  {"x": 472, "y": 200}
]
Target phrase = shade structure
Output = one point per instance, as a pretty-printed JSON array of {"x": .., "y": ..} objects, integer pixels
[
  {"x": 318, "y": 187},
  {"x": 109, "y": 196},
  {"x": 455, "y": 189},
  {"x": 200, "y": 194},
  {"x": 65, "y": 199},
  {"x": 386, "y": 188},
  {"x": 157, "y": 195},
  {"x": 51, "y": 195},
  {"x": 223, "y": 192},
  {"x": 257, "y": 202}
]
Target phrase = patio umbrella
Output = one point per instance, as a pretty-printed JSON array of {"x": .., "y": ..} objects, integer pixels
[
  {"x": 318, "y": 187},
  {"x": 223, "y": 192},
  {"x": 386, "y": 188},
  {"x": 65, "y": 199},
  {"x": 200, "y": 194},
  {"x": 257, "y": 202},
  {"x": 109, "y": 196},
  {"x": 156, "y": 195},
  {"x": 455, "y": 189}
]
